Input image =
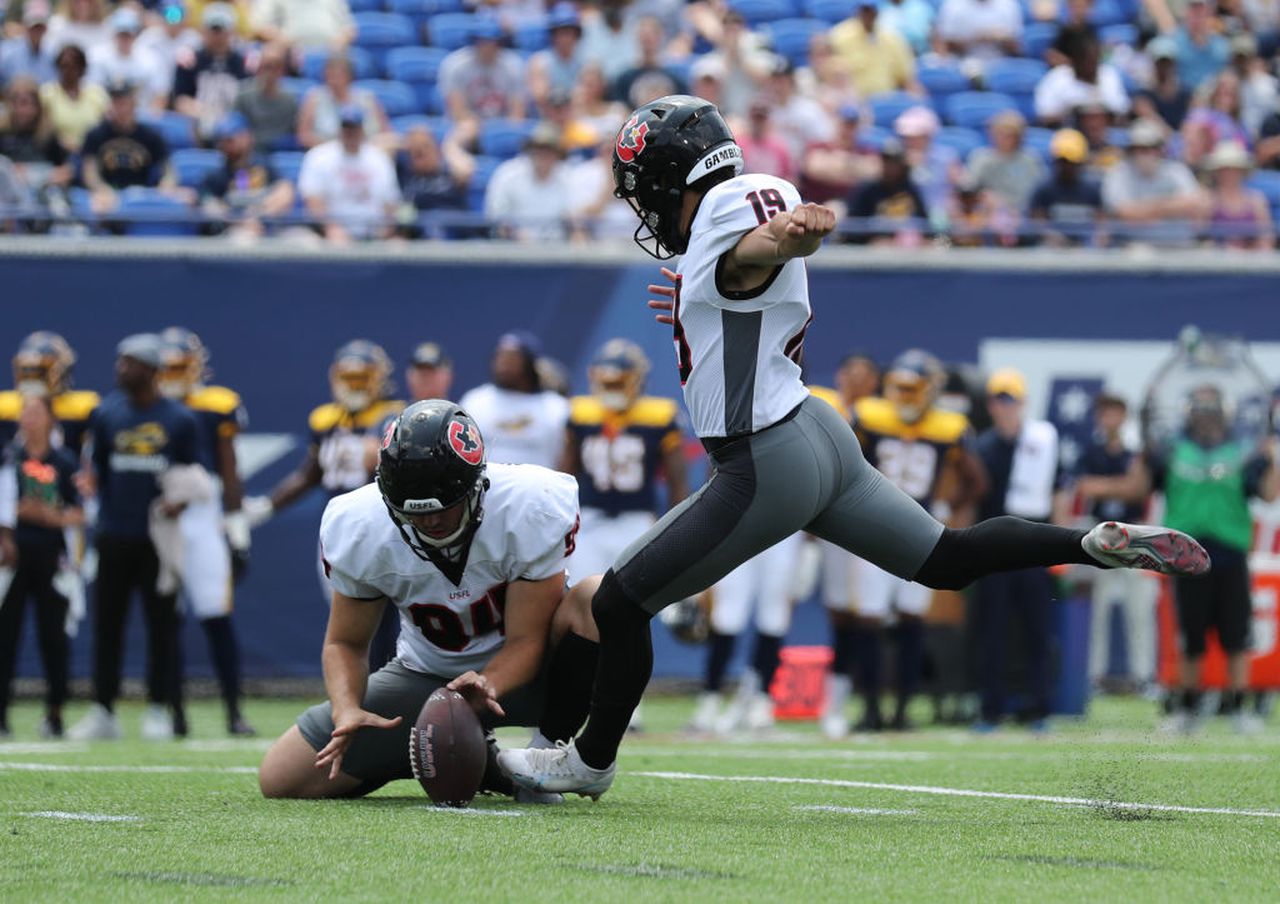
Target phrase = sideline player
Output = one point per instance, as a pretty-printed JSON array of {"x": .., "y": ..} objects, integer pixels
[
  {"x": 739, "y": 310},
  {"x": 42, "y": 367},
  {"x": 472, "y": 558},
  {"x": 523, "y": 421},
  {"x": 215, "y": 533},
  {"x": 342, "y": 454},
  {"x": 927, "y": 453}
]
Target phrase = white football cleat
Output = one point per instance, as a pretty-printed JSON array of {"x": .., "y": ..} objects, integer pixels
[
  {"x": 98, "y": 724},
  {"x": 1246, "y": 723},
  {"x": 1161, "y": 549},
  {"x": 835, "y": 726},
  {"x": 760, "y": 713},
  {"x": 558, "y": 769},
  {"x": 705, "y": 713},
  {"x": 157, "y": 724}
]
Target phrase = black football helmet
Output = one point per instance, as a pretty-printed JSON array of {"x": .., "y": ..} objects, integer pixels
[
  {"x": 665, "y": 147},
  {"x": 432, "y": 458}
]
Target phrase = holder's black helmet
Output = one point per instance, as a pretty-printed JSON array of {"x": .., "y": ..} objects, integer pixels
[
  {"x": 432, "y": 458},
  {"x": 665, "y": 147}
]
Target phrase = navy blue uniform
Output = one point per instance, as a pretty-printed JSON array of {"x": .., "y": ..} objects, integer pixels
[{"x": 1098, "y": 461}]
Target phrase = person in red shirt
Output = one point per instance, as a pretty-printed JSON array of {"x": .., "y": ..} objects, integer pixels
[
  {"x": 830, "y": 169},
  {"x": 763, "y": 149}
]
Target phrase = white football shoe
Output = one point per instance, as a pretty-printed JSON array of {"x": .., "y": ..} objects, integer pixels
[
  {"x": 558, "y": 769},
  {"x": 835, "y": 726},
  {"x": 1246, "y": 723},
  {"x": 760, "y": 713},
  {"x": 157, "y": 723},
  {"x": 705, "y": 713},
  {"x": 1161, "y": 549},
  {"x": 98, "y": 724}
]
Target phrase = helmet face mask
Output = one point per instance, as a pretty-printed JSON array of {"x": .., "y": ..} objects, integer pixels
[
  {"x": 618, "y": 373},
  {"x": 360, "y": 375},
  {"x": 185, "y": 363},
  {"x": 663, "y": 149},
  {"x": 912, "y": 384},
  {"x": 42, "y": 365}
]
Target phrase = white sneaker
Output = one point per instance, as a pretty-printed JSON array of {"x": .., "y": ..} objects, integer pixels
[
  {"x": 1159, "y": 549},
  {"x": 760, "y": 713},
  {"x": 735, "y": 714},
  {"x": 705, "y": 713},
  {"x": 98, "y": 724},
  {"x": 558, "y": 769},
  {"x": 835, "y": 726},
  {"x": 157, "y": 724},
  {"x": 1246, "y": 723},
  {"x": 1181, "y": 723}
]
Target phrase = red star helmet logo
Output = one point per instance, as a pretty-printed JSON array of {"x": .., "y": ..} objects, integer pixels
[
  {"x": 465, "y": 442},
  {"x": 631, "y": 139}
]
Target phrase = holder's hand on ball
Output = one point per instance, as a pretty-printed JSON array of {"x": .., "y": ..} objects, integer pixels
[{"x": 478, "y": 691}]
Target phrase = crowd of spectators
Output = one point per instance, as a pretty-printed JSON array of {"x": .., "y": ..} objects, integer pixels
[{"x": 971, "y": 122}]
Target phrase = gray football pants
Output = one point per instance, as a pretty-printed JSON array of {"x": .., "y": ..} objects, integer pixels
[{"x": 804, "y": 473}]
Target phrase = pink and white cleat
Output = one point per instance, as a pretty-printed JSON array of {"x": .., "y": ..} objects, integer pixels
[{"x": 1161, "y": 549}]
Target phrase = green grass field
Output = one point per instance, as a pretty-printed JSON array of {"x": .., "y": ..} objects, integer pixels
[{"x": 876, "y": 819}]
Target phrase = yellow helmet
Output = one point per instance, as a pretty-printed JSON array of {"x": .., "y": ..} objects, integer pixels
[
  {"x": 184, "y": 363},
  {"x": 617, "y": 374},
  {"x": 360, "y": 375},
  {"x": 42, "y": 365},
  {"x": 912, "y": 384}
]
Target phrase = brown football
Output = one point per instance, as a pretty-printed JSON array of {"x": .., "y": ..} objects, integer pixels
[{"x": 447, "y": 749}]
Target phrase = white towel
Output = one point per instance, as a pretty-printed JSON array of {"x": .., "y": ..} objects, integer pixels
[
  {"x": 179, "y": 484},
  {"x": 1034, "y": 470}
]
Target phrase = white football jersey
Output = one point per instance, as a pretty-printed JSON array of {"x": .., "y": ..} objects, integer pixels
[
  {"x": 739, "y": 352},
  {"x": 529, "y": 526},
  {"x": 519, "y": 428}
]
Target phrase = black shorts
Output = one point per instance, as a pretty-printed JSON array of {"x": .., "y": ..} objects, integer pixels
[
  {"x": 377, "y": 756},
  {"x": 1220, "y": 599}
]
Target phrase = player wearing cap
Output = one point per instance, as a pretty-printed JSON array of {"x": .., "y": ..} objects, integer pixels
[
  {"x": 1069, "y": 202},
  {"x": 523, "y": 423},
  {"x": 784, "y": 461},
  {"x": 471, "y": 558},
  {"x": 430, "y": 372}
]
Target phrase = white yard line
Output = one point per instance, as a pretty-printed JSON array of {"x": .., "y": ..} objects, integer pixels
[
  {"x": 956, "y": 792},
  {"x": 920, "y": 756},
  {"x": 43, "y": 747},
  {"x": 856, "y": 811},
  {"x": 467, "y": 811},
  {"x": 83, "y": 817},
  {"x": 61, "y": 767}
]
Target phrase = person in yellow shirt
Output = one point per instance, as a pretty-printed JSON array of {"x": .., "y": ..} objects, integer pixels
[
  {"x": 877, "y": 57},
  {"x": 73, "y": 105}
]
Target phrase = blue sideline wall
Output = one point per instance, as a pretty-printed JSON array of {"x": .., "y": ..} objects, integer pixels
[{"x": 272, "y": 326}]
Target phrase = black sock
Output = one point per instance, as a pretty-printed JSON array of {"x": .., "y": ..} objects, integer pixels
[
  {"x": 842, "y": 643},
  {"x": 999, "y": 544},
  {"x": 910, "y": 637},
  {"x": 570, "y": 676},
  {"x": 225, "y": 654},
  {"x": 1191, "y": 701},
  {"x": 765, "y": 658},
  {"x": 1234, "y": 701},
  {"x": 719, "y": 652},
  {"x": 866, "y": 666},
  {"x": 626, "y": 662}
]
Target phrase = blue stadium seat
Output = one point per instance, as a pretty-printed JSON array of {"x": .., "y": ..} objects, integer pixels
[
  {"x": 963, "y": 141},
  {"x": 531, "y": 35},
  {"x": 365, "y": 6},
  {"x": 502, "y": 138},
  {"x": 177, "y": 130},
  {"x": 1037, "y": 37},
  {"x": 287, "y": 164},
  {"x": 1014, "y": 75},
  {"x": 972, "y": 109},
  {"x": 1118, "y": 136},
  {"x": 757, "y": 12},
  {"x": 829, "y": 11},
  {"x": 889, "y": 106},
  {"x": 415, "y": 64},
  {"x": 416, "y": 11},
  {"x": 1107, "y": 12},
  {"x": 874, "y": 137},
  {"x": 439, "y": 126},
  {"x": 790, "y": 37},
  {"x": 157, "y": 214},
  {"x": 191, "y": 165},
  {"x": 397, "y": 98},
  {"x": 1121, "y": 33},
  {"x": 450, "y": 30},
  {"x": 1038, "y": 140},
  {"x": 943, "y": 80},
  {"x": 479, "y": 181},
  {"x": 298, "y": 87},
  {"x": 1267, "y": 182},
  {"x": 362, "y": 63},
  {"x": 379, "y": 32}
]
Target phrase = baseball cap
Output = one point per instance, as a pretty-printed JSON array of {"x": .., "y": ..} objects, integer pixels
[
  {"x": 125, "y": 20},
  {"x": 1244, "y": 44},
  {"x": 709, "y": 67},
  {"x": 1162, "y": 48},
  {"x": 1228, "y": 155},
  {"x": 219, "y": 15},
  {"x": 1145, "y": 134},
  {"x": 429, "y": 354},
  {"x": 916, "y": 121},
  {"x": 486, "y": 28},
  {"x": 36, "y": 12},
  {"x": 892, "y": 147},
  {"x": 1069, "y": 145},
  {"x": 229, "y": 125},
  {"x": 850, "y": 112},
  {"x": 866, "y": 4},
  {"x": 544, "y": 135},
  {"x": 521, "y": 340},
  {"x": 1007, "y": 382},
  {"x": 173, "y": 11},
  {"x": 563, "y": 15},
  {"x": 120, "y": 86},
  {"x": 144, "y": 348},
  {"x": 351, "y": 115}
]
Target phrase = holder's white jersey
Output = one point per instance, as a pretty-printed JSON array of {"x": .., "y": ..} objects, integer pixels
[
  {"x": 739, "y": 352},
  {"x": 519, "y": 428},
  {"x": 529, "y": 527}
]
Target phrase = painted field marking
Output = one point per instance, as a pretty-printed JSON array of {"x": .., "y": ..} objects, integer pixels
[
  {"x": 855, "y": 811},
  {"x": 957, "y": 792},
  {"x": 83, "y": 817},
  {"x": 467, "y": 811},
  {"x": 61, "y": 767},
  {"x": 43, "y": 747},
  {"x": 226, "y": 745},
  {"x": 920, "y": 756}
]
